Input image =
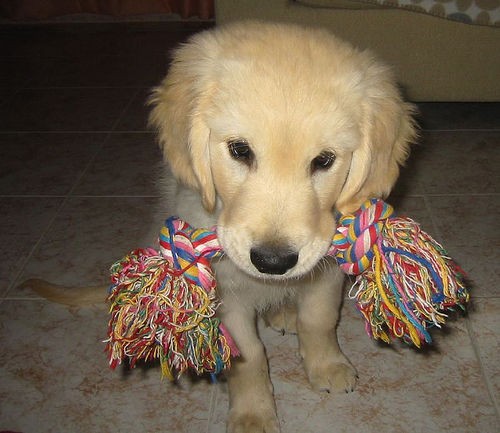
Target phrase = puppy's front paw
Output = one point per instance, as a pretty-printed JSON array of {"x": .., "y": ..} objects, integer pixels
[
  {"x": 265, "y": 422},
  {"x": 332, "y": 376}
]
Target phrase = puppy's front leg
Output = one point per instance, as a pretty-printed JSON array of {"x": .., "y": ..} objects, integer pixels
[
  {"x": 251, "y": 402},
  {"x": 318, "y": 312}
]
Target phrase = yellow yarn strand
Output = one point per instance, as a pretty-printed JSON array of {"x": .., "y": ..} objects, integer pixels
[{"x": 397, "y": 313}]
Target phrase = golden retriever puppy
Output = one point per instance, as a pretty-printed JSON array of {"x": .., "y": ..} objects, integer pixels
[{"x": 269, "y": 129}]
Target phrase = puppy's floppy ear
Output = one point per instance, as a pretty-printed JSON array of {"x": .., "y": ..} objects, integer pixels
[
  {"x": 179, "y": 104},
  {"x": 387, "y": 130}
]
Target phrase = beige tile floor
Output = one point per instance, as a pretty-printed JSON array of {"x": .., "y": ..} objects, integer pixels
[{"x": 77, "y": 174}]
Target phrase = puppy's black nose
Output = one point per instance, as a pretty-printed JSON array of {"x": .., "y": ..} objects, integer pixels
[{"x": 273, "y": 260}]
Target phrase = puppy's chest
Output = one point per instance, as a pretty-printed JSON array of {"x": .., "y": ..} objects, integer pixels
[{"x": 233, "y": 285}]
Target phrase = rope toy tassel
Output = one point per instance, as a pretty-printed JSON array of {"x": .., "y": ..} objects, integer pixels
[
  {"x": 406, "y": 282},
  {"x": 163, "y": 303}
]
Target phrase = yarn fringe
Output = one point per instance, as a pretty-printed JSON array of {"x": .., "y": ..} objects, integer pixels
[
  {"x": 157, "y": 314},
  {"x": 412, "y": 284}
]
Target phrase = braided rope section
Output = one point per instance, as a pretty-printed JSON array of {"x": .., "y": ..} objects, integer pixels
[
  {"x": 406, "y": 282},
  {"x": 163, "y": 305},
  {"x": 356, "y": 235},
  {"x": 190, "y": 250}
]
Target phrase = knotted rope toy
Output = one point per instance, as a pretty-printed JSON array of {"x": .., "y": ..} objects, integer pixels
[{"x": 163, "y": 303}]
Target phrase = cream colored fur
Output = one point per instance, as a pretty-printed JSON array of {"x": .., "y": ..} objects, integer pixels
[{"x": 291, "y": 93}]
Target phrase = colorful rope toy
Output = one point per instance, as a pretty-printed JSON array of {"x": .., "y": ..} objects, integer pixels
[{"x": 163, "y": 304}]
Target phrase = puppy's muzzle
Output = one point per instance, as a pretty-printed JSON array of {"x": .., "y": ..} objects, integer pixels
[{"x": 273, "y": 260}]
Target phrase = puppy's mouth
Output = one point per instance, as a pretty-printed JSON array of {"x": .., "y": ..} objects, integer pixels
[{"x": 272, "y": 261}]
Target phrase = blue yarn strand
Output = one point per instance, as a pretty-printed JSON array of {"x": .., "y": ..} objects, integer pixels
[
  {"x": 423, "y": 262},
  {"x": 171, "y": 230},
  {"x": 403, "y": 308}
]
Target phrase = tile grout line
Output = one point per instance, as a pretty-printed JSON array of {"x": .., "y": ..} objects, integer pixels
[
  {"x": 99, "y": 148},
  {"x": 475, "y": 348},
  {"x": 61, "y": 132},
  {"x": 452, "y": 194},
  {"x": 82, "y": 196},
  {"x": 214, "y": 397},
  {"x": 66, "y": 198},
  {"x": 211, "y": 407},
  {"x": 24, "y": 263},
  {"x": 468, "y": 324},
  {"x": 20, "y": 88},
  {"x": 477, "y": 353},
  {"x": 492, "y": 130},
  {"x": 70, "y": 193}
]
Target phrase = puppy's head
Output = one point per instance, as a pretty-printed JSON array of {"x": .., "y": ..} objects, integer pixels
[{"x": 281, "y": 125}]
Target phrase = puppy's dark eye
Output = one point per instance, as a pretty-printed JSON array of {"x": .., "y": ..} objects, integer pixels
[
  {"x": 323, "y": 161},
  {"x": 240, "y": 150}
]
